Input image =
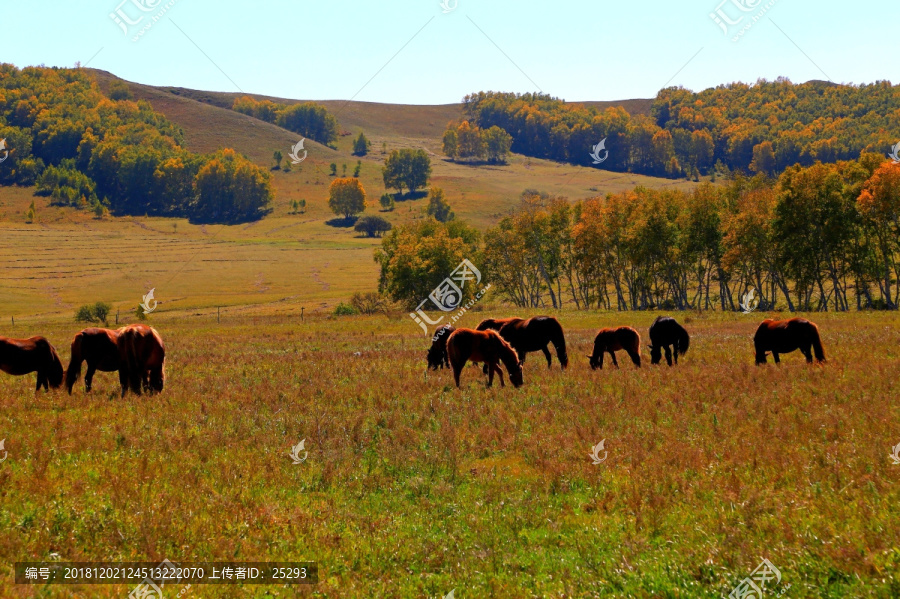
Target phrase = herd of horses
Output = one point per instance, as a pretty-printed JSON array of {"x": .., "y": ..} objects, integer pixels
[
  {"x": 138, "y": 354},
  {"x": 136, "y": 351},
  {"x": 510, "y": 340}
]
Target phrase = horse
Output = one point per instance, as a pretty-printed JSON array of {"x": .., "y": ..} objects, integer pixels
[
  {"x": 23, "y": 356},
  {"x": 666, "y": 333},
  {"x": 613, "y": 340},
  {"x": 535, "y": 334},
  {"x": 483, "y": 346},
  {"x": 98, "y": 348},
  {"x": 142, "y": 359},
  {"x": 495, "y": 324},
  {"x": 437, "y": 354},
  {"x": 785, "y": 336}
]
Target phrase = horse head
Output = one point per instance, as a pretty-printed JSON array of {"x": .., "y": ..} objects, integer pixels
[{"x": 655, "y": 354}]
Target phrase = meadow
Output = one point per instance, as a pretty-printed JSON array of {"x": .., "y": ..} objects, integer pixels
[{"x": 413, "y": 488}]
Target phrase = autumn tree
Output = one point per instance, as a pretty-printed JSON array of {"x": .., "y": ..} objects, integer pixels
[
  {"x": 406, "y": 168},
  {"x": 231, "y": 189},
  {"x": 346, "y": 197},
  {"x": 438, "y": 206}
]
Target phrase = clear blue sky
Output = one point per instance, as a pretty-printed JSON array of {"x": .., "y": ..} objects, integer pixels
[{"x": 409, "y": 51}]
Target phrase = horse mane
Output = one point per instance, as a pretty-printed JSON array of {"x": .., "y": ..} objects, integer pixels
[
  {"x": 55, "y": 373},
  {"x": 507, "y": 354}
]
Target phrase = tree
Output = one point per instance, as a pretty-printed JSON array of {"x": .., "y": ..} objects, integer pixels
[
  {"x": 406, "y": 168},
  {"x": 763, "y": 158},
  {"x": 309, "y": 120},
  {"x": 278, "y": 157},
  {"x": 387, "y": 202},
  {"x": 98, "y": 313},
  {"x": 361, "y": 145},
  {"x": 438, "y": 207},
  {"x": 497, "y": 143},
  {"x": 333, "y": 167},
  {"x": 372, "y": 226},
  {"x": 347, "y": 197},
  {"x": 451, "y": 142},
  {"x": 119, "y": 90},
  {"x": 230, "y": 188},
  {"x": 470, "y": 143},
  {"x": 358, "y": 168}
]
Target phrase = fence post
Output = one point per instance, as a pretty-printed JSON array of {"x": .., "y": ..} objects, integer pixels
[
  {"x": 218, "y": 313},
  {"x": 117, "y": 317},
  {"x": 301, "y": 313}
]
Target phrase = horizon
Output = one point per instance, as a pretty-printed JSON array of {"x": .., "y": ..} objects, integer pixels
[{"x": 421, "y": 55}]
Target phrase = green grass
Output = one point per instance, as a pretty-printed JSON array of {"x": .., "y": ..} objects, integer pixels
[{"x": 413, "y": 488}]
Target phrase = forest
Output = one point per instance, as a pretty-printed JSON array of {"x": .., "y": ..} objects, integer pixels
[{"x": 88, "y": 150}]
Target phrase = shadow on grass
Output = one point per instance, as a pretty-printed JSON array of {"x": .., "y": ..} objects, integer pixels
[{"x": 342, "y": 223}]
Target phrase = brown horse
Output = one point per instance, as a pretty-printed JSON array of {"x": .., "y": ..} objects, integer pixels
[
  {"x": 495, "y": 324},
  {"x": 23, "y": 356},
  {"x": 437, "y": 354},
  {"x": 142, "y": 359},
  {"x": 784, "y": 336},
  {"x": 98, "y": 348},
  {"x": 666, "y": 333},
  {"x": 613, "y": 340},
  {"x": 483, "y": 346},
  {"x": 535, "y": 334}
]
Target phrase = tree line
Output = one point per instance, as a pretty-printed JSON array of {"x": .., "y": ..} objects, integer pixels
[
  {"x": 308, "y": 119},
  {"x": 87, "y": 150},
  {"x": 823, "y": 237},
  {"x": 761, "y": 128}
]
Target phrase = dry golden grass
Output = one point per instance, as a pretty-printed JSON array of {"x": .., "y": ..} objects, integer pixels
[{"x": 413, "y": 488}]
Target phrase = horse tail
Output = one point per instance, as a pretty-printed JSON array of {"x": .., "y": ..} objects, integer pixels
[
  {"x": 55, "y": 371},
  {"x": 74, "y": 369},
  {"x": 817, "y": 343},
  {"x": 684, "y": 341},
  {"x": 559, "y": 342}
]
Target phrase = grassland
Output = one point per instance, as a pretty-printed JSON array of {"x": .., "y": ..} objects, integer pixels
[{"x": 413, "y": 488}]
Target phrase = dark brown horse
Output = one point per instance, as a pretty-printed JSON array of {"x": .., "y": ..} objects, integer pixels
[
  {"x": 98, "y": 348},
  {"x": 666, "y": 333},
  {"x": 483, "y": 346},
  {"x": 35, "y": 354},
  {"x": 536, "y": 334},
  {"x": 785, "y": 336},
  {"x": 142, "y": 359},
  {"x": 495, "y": 324},
  {"x": 612, "y": 340},
  {"x": 437, "y": 354}
]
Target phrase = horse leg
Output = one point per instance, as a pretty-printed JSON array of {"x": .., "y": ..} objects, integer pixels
[
  {"x": 499, "y": 373},
  {"x": 41, "y": 381},
  {"x": 775, "y": 355},
  {"x": 807, "y": 353},
  {"x": 490, "y": 367},
  {"x": 457, "y": 369},
  {"x": 89, "y": 377},
  {"x": 669, "y": 355},
  {"x": 614, "y": 361},
  {"x": 123, "y": 380},
  {"x": 546, "y": 355}
]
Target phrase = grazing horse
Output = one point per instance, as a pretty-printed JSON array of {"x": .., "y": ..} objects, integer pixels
[
  {"x": 613, "y": 340},
  {"x": 142, "y": 359},
  {"x": 784, "y": 336},
  {"x": 98, "y": 348},
  {"x": 495, "y": 324},
  {"x": 535, "y": 334},
  {"x": 483, "y": 346},
  {"x": 666, "y": 333},
  {"x": 437, "y": 354},
  {"x": 23, "y": 356}
]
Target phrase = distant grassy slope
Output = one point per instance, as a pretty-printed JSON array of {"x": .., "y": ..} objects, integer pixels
[{"x": 68, "y": 258}]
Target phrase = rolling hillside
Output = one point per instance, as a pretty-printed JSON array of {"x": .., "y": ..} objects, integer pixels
[{"x": 284, "y": 262}]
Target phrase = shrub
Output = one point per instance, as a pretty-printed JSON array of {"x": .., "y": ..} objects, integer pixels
[
  {"x": 96, "y": 313},
  {"x": 372, "y": 226},
  {"x": 343, "y": 309},
  {"x": 369, "y": 302}
]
